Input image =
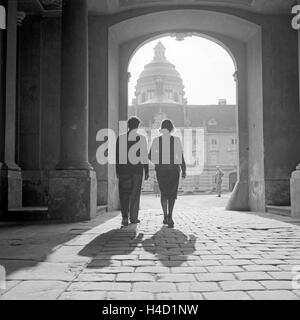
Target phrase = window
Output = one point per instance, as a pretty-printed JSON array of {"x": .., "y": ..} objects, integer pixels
[
  {"x": 234, "y": 142},
  {"x": 169, "y": 94},
  {"x": 176, "y": 97},
  {"x": 143, "y": 97},
  {"x": 214, "y": 144},
  {"x": 151, "y": 94}
]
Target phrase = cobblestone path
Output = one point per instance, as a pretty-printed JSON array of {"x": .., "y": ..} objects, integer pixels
[{"x": 211, "y": 254}]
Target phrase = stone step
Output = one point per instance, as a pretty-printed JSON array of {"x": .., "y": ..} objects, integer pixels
[
  {"x": 27, "y": 214},
  {"x": 101, "y": 209},
  {"x": 36, "y": 214},
  {"x": 280, "y": 210}
]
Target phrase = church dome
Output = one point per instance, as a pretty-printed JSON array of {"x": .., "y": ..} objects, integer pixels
[{"x": 160, "y": 82}]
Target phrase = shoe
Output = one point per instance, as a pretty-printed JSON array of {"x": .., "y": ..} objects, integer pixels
[
  {"x": 165, "y": 220},
  {"x": 135, "y": 221},
  {"x": 125, "y": 222},
  {"x": 170, "y": 223}
]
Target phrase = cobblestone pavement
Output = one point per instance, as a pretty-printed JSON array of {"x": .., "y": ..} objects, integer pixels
[{"x": 211, "y": 254}]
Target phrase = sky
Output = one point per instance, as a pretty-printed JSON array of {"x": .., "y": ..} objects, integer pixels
[{"x": 206, "y": 68}]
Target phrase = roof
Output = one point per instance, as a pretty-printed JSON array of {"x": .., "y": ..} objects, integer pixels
[
  {"x": 147, "y": 113},
  {"x": 216, "y": 118}
]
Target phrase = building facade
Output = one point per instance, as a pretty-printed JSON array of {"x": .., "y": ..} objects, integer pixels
[{"x": 208, "y": 132}]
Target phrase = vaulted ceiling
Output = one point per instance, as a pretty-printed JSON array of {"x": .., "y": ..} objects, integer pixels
[{"x": 114, "y": 6}]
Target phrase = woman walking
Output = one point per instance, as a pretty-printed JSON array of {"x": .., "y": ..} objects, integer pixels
[{"x": 167, "y": 155}]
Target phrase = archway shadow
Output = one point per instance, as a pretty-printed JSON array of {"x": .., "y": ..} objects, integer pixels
[{"x": 25, "y": 245}]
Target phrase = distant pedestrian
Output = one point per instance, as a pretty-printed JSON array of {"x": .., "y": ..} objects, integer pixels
[{"x": 218, "y": 181}]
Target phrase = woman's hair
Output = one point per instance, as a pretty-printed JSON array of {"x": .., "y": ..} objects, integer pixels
[
  {"x": 167, "y": 125},
  {"x": 133, "y": 123}
]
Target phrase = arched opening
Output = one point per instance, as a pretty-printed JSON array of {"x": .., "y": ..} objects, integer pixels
[
  {"x": 242, "y": 38},
  {"x": 189, "y": 79}
]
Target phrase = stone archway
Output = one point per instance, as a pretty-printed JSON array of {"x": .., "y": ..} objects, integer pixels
[
  {"x": 242, "y": 39},
  {"x": 198, "y": 180}
]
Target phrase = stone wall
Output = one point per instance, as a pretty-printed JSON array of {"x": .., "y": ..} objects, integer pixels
[
  {"x": 39, "y": 103},
  {"x": 280, "y": 107},
  {"x": 98, "y": 97}
]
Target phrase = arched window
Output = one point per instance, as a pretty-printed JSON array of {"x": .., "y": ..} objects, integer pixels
[{"x": 212, "y": 122}]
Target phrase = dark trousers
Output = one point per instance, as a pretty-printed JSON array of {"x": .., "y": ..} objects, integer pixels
[{"x": 130, "y": 186}]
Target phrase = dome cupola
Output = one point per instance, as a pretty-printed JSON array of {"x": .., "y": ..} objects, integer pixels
[{"x": 160, "y": 82}]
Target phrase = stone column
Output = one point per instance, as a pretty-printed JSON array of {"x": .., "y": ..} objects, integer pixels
[
  {"x": 295, "y": 179},
  {"x": 239, "y": 200},
  {"x": 3, "y": 193},
  {"x": 73, "y": 186},
  {"x": 295, "y": 193},
  {"x": 10, "y": 172}
]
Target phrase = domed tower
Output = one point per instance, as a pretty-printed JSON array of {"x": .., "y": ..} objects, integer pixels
[{"x": 160, "y": 82}]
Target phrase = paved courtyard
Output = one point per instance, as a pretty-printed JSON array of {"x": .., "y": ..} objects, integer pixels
[{"x": 211, "y": 254}]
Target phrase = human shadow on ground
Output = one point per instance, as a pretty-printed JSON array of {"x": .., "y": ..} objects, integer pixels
[
  {"x": 171, "y": 246},
  {"x": 110, "y": 248}
]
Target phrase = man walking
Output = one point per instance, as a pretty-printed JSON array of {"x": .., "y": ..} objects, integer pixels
[
  {"x": 218, "y": 181},
  {"x": 131, "y": 164}
]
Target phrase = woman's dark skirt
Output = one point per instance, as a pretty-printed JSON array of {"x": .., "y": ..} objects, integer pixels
[{"x": 168, "y": 181}]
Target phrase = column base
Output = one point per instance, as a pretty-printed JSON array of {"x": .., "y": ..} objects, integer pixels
[
  {"x": 257, "y": 198},
  {"x": 10, "y": 188},
  {"x": 239, "y": 200},
  {"x": 295, "y": 194},
  {"x": 35, "y": 188},
  {"x": 72, "y": 195},
  {"x": 278, "y": 192}
]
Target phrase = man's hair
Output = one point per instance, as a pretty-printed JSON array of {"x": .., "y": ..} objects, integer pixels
[
  {"x": 167, "y": 125},
  {"x": 133, "y": 123}
]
